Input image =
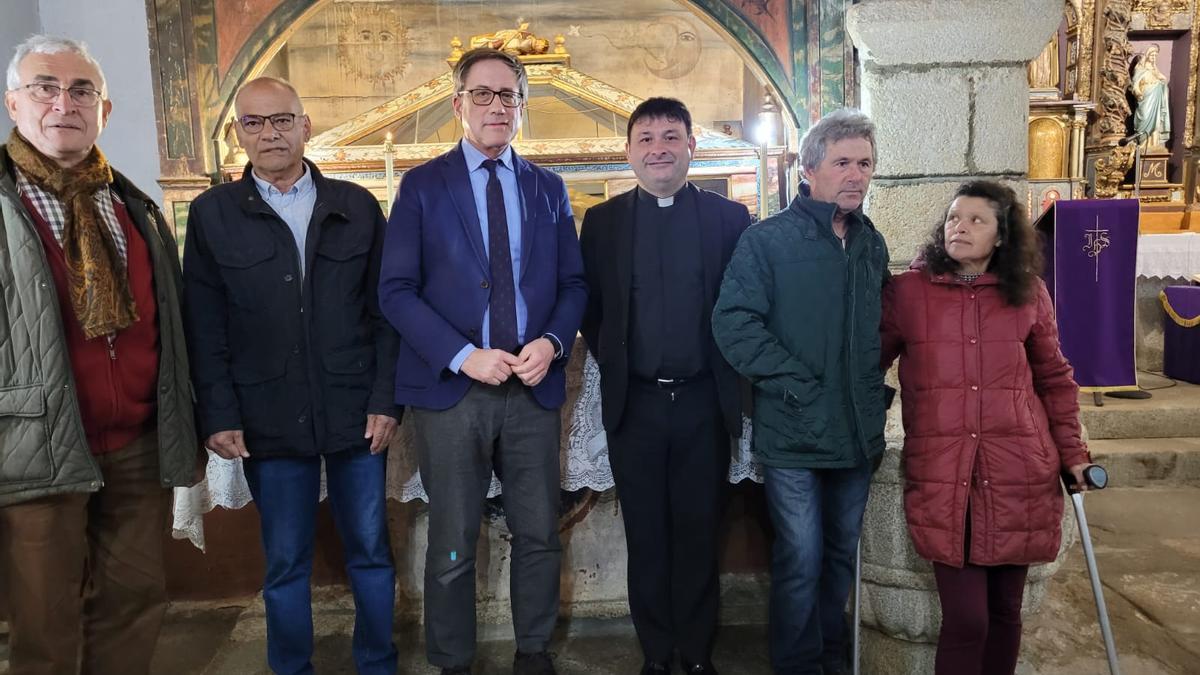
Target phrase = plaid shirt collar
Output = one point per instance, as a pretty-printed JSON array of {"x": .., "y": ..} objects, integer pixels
[{"x": 53, "y": 212}]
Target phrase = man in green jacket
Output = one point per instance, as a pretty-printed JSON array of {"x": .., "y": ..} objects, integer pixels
[
  {"x": 799, "y": 316},
  {"x": 96, "y": 418}
]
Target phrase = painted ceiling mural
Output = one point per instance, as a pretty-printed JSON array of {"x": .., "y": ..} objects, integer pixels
[{"x": 349, "y": 55}]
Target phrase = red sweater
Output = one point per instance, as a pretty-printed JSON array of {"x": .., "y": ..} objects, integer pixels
[{"x": 116, "y": 385}]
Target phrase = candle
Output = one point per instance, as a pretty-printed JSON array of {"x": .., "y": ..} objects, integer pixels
[{"x": 389, "y": 169}]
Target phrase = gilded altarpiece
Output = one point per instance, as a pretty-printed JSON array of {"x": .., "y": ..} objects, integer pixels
[
  {"x": 1122, "y": 45},
  {"x": 1057, "y": 117}
]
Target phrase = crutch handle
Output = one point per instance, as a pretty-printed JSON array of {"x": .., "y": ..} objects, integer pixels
[{"x": 1094, "y": 475}]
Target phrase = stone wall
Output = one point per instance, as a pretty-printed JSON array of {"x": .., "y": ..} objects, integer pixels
[
  {"x": 945, "y": 83},
  {"x": 20, "y": 19}
]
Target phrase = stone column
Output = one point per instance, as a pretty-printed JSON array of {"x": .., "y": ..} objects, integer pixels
[{"x": 945, "y": 82}]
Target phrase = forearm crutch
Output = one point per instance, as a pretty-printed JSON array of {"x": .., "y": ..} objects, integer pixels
[
  {"x": 857, "y": 634},
  {"x": 1096, "y": 478}
]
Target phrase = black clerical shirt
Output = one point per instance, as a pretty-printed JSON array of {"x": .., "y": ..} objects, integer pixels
[{"x": 668, "y": 321}]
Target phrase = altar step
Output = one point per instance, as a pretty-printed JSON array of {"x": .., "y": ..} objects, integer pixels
[
  {"x": 1147, "y": 442},
  {"x": 1171, "y": 412},
  {"x": 1144, "y": 462}
]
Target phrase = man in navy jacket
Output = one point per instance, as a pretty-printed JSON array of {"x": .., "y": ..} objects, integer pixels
[
  {"x": 292, "y": 362},
  {"x": 482, "y": 278}
]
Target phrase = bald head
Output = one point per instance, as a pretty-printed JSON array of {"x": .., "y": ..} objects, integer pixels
[
  {"x": 276, "y": 88},
  {"x": 272, "y": 127}
]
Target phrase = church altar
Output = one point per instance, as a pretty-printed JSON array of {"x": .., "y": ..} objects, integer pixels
[
  {"x": 583, "y": 458},
  {"x": 1168, "y": 256}
]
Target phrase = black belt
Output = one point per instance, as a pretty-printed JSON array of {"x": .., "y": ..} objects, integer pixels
[{"x": 672, "y": 382}]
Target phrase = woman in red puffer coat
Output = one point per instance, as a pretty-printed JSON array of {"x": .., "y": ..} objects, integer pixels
[{"x": 991, "y": 418}]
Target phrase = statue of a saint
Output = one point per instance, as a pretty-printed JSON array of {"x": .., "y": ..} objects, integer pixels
[
  {"x": 516, "y": 41},
  {"x": 1152, "y": 119},
  {"x": 1043, "y": 69}
]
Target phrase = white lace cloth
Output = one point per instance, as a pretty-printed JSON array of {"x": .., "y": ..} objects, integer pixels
[
  {"x": 1168, "y": 256},
  {"x": 584, "y": 460}
]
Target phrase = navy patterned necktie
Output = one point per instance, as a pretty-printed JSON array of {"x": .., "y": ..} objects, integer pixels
[{"x": 503, "y": 304}]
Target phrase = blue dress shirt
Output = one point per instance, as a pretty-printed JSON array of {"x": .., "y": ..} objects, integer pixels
[
  {"x": 507, "y": 175},
  {"x": 295, "y": 206}
]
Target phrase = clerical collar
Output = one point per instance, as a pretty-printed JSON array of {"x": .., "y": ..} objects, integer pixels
[{"x": 661, "y": 202}]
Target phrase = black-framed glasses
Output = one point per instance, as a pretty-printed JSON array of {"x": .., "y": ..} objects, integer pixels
[
  {"x": 48, "y": 92},
  {"x": 254, "y": 124},
  {"x": 484, "y": 96}
]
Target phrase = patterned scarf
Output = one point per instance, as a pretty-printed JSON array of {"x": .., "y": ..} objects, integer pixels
[{"x": 99, "y": 285}]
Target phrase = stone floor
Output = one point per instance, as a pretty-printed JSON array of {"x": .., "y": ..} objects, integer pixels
[{"x": 1146, "y": 539}]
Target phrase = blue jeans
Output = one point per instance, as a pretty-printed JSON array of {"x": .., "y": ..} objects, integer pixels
[
  {"x": 817, "y": 515},
  {"x": 286, "y": 490}
]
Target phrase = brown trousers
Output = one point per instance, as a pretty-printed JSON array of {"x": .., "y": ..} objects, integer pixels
[{"x": 84, "y": 582}]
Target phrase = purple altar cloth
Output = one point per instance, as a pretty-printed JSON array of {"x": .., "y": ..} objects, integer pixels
[{"x": 1181, "y": 333}]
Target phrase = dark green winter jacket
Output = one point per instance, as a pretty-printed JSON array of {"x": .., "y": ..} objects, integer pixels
[{"x": 799, "y": 316}]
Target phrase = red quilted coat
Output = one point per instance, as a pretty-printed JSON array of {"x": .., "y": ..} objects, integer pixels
[{"x": 991, "y": 416}]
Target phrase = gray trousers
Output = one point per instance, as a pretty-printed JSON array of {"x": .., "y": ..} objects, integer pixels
[{"x": 505, "y": 429}]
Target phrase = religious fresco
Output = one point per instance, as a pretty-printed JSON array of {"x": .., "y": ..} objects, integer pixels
[
  {"x": 349, "y": 57},
  {"x": 773, "y": 19},
  {"x": 670, "y": 45},
  {"x": 372, "y": 43},
  {"x": 238, "y": 20}
]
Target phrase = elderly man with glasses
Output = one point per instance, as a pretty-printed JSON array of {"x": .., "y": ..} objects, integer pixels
[
  {"x": 293, "y": 366},
  {"x": 483, "y": 279},
  {"x": 95, "y": 406}
]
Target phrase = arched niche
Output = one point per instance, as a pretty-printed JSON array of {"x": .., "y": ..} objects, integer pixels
[{"x": 797, "y": 47}]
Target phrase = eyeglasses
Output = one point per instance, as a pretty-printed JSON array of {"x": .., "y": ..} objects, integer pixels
[
  {"x": 45, "y": 92},
  {"x": 254, "y": 124},
  {"x": 483, "y": 96}
]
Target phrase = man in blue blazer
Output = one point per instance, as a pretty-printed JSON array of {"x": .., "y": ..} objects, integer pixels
[{"x": 482, "y": 278}]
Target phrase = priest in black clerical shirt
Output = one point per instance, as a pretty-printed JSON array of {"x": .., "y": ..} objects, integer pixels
[{"x": 653, "y": 258}]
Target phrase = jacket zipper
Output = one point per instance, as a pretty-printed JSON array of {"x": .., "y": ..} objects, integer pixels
[
  {"x": 111, "y": 340},
  {"x": 850, "y": 362}
]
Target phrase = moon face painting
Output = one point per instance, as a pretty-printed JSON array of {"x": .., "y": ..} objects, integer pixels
[{"x": 672, "y": 47}]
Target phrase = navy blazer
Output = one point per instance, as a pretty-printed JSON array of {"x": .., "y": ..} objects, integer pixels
[{"x": 435, "y": 281}]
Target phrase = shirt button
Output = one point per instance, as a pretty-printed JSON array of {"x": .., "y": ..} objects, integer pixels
[
  {"x": 964, "y": 483},
  {"x": 295, "y": 350},
  {"x": 288, "y": 277},
  {"x": 972, "y": 296},
  {"x": 484, "y": 284},
  {"x": 303, "y": 419},
  {"x": 974, "y": 435},
  {"x": 985, "y": 482},
  {"x": 974, "y": 387},
  {"x": 973, "y": 340}
]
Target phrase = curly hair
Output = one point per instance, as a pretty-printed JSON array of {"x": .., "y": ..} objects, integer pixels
[{"x": 1017, "y": 261}]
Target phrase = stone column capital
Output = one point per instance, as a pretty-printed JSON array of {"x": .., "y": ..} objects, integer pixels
[{"x": 909, "y": 33}]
